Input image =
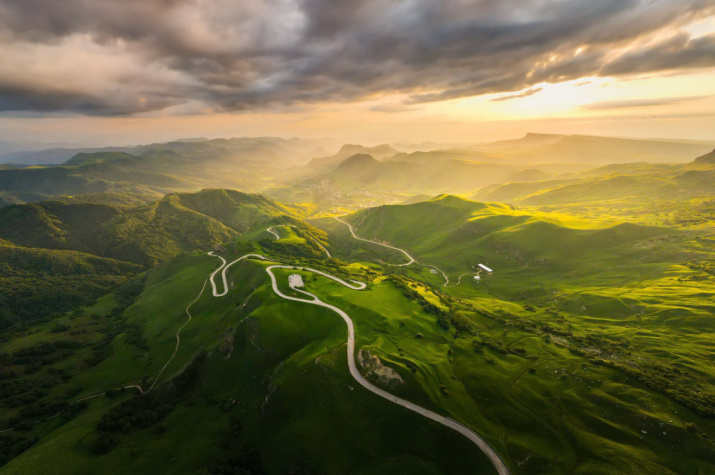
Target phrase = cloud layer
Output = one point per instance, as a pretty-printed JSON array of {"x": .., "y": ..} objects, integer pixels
[{"x": 119, "y": 57}]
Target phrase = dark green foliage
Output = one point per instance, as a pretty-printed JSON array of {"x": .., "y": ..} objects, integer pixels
[
  {"x": 138, "y": 412},
  {"x": 496, "y": 345},
  {"x": 103, "y": 443},
  {"x": 404, "y": 285},
  {"x": 443, "y": 321},
  {"x": 57, "y": 255},
  {"x": 188, "y": 378},
  {"x": 147, "y": 410},
  {"x": 17, "y": 391},
  {"x": 41, "y": 354},
  {"x": 35, "y": 284},
  {"x": 12, "y": 444},
  {"x": 59, "y": 328},
  {"x": 244, "y": 461}
]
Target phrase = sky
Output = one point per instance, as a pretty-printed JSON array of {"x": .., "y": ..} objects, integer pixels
[{"x": 368, "y": 71}]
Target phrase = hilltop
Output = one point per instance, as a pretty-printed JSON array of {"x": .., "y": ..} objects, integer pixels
[
  {"x": 97, "y": 245},
  {"x": 417, "y": 172},
  {"x": 460, "y": 233},
  {"x": 707, "y": 159},
  {"x": 595, "y": 322},
  {"x": 153, "y": 170},
  {"x": 637, "y": 182},
  {"x": 145, "y": 234},
  {"x": 322, "y": 164}
]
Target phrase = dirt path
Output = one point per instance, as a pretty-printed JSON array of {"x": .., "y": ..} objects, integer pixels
[{"x": 411, "y": 261}]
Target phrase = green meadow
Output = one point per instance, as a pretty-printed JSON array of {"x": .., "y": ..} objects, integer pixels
[{"x": 588, "y": 350}]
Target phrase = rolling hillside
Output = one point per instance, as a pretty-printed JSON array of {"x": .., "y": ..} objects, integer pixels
[
  {"x": 324, "y": 164},
  {"x": 146, "y": 234},
  {"x": 59, "y": 254},
  {"x": 581, "y": 353},
  {"x": 41, "y": 283},
  {"x": 460, "y": 233},
  {"x": 631, "y": 182},
  {"x": 154, "y": 170},
  {"x": 432, "y": 175}
]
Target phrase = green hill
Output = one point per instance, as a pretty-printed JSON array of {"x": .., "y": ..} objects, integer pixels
[
  {"x": 614, "y": 183},
  {"x": 580, "y": 345},
  {"x": 588, "y": 349},
  {"x": 460, "y": 233},
  {"x": 39, "y": 283},
  {"x": 325, "y": 164},
  {"x": 144, "y": 234},
  {"x": 100, "y": 245},
  {"x": 154, "y": 169},
  {"x": 85, "y": 158},
  {"x": 707, "y": 159}
]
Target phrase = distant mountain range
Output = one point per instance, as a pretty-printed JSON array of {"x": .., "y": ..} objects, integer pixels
[
  {"x": 288, "y": 168},
  {"x": 57, "y": 154},
  {"x": 634, "y": 181},
  {"x": 539, "y": 148},
  {"x": 153, "y": 170}
]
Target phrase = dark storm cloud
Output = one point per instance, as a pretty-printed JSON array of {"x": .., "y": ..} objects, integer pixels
[
  {"x": 230, "y": 55},
  {"x": 678, "y": 52}
]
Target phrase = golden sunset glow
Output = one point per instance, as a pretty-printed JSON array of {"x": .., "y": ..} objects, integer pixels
[{"x": 640, "y": 66}]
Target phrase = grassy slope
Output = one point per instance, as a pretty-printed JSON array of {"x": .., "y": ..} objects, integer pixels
[
  {"x": 285, "y": 366},
  {"x": 624, "y": 283},
  {"x": 143, "y": 234},
  {"x": 159, "y": 168},
  {"x": 53, "y": 281},
  {"x": 614, "y": 184},
  {"x": 288, "y": 372}
]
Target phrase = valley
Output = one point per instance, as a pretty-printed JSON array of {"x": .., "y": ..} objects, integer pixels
[
  {"x": 588, "y": 349},
  {"x": 317, "y": 237}
]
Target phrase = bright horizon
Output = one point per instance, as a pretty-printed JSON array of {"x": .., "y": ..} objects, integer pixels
[{"x": 468, "y": 72}]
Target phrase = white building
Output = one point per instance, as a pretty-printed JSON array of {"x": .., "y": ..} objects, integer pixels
[
  {"x": 295, "y": 281},
  {"x": 486, "y": 268}
]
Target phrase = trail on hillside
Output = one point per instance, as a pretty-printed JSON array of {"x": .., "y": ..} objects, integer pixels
[
  {"x": 411, "y": 259},
  {"x": 460, "y": 278},
  {"x": 493, "y": 456},
  {"x": 178, "y": 332},
  {"x": 483, "y": 445}
]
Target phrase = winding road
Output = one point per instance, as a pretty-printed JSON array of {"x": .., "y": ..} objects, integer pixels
[
  {"x": 225, "y": 267},
  {"x": 493, "y": 456},
  {"x": 411, "y": 260},
  {"x": 496, "y": 460},
  {"x": 460, "y": 278}
]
